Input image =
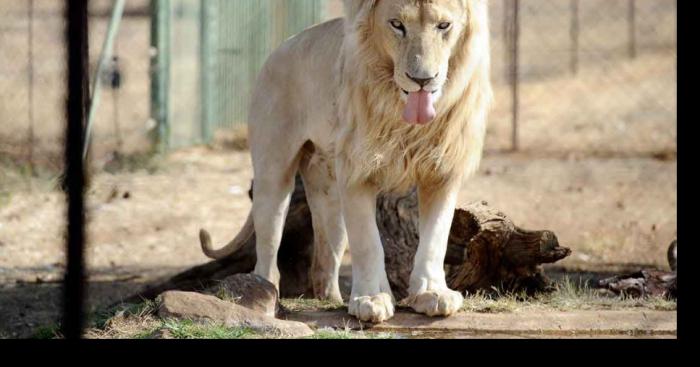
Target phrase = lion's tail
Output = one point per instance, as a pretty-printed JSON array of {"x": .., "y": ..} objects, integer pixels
[{"x": 236, "y": 243}]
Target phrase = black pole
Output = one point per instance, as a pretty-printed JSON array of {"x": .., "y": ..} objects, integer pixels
[{"x": 76, "y": 111}]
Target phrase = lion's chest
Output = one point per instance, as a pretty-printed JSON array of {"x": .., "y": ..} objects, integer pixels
[{"x": 400, "y": 159}]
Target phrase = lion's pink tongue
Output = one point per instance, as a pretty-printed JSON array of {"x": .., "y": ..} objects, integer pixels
[{"x": 419, "y": 108}]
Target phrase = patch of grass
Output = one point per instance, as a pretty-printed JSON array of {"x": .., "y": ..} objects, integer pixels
[
  {"x": 47, "y": 332},
  {"x": 102, "y": 318},
  {"x": 185, "y": 329},
  {"x": 146, "y": 333},
  {"x": 147, "y": 307},
  {"x": 120, "y": 327},
  {"x": 572, "y": 296},
  {"x": 482, "y": 302},
  {"x": 567, "y": 296},
  {"x": 310, "y": 304},
  {"x": 127, "y": 320}
]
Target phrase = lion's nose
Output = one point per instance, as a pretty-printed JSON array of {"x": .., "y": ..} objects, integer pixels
[{"x": 421, "y": 81}]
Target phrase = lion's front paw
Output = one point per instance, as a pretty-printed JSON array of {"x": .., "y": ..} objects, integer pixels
[
  {"x": 443, "y": 302},
  {"x": 375, "y": 309}
]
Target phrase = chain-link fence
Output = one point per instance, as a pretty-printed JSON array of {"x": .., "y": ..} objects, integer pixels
[
  {"x": 32, "y": 66},
  {"x": 215, "y": 50},
  {"x": 592, "y": 76},
  {"x": 32, "y": 88}
]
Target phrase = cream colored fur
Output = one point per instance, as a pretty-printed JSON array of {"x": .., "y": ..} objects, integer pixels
[{"x": 328, "y": 104}]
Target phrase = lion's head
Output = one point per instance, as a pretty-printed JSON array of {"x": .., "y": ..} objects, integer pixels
[{"x": 418, "y": 39}]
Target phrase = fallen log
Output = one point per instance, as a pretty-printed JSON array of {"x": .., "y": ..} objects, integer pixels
[{"x": 486, "y": 250}]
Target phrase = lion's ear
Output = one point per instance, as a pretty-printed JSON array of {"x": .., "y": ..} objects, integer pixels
[{"x": 358, "y": 8}]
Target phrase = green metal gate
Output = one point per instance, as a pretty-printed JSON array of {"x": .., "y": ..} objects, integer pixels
[{"x": 209, "y": 55}]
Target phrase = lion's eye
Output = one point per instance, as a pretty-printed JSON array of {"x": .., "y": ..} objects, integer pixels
[
  {"x": 398, "y": 26},
  {"x": 444, "y": 26}
]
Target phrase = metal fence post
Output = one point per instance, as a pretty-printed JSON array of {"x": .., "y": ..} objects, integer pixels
[
  {"x": 574, "y": 34},
  {"x": 30, "y": 84},
  {"x": 632, "y": 28},
  {"x": 160, "y": 73},
  {"x": 513, "y": 35},
  {"x": 506, "y": 37},
  {"x": 209, "y": 31},
  {"x": 105, "y": 57}
]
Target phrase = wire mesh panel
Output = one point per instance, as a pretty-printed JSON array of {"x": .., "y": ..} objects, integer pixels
[
  {"x": 32, "y": 71},
  {"x": 31, "y": 81},
  {"x": 216, "y": 50},
  {"x": 184, "y": 83},
  {"x": 248, "y": 31},
  {"x": 244, "y": 41},
  {"x": 594, "y": 76}
]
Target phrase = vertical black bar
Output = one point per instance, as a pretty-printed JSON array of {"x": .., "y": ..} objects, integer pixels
[
  {"x": 632, "y": 31},
  {"x": 574, "y": 34},
  {"x": 514, "y": 66},
  {"x": 76, "y": 112}
]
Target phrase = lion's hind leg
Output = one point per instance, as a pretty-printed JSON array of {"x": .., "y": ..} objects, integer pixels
[
  {"x": 330, "y": 239},
  {"x": 275, "y": 167}
]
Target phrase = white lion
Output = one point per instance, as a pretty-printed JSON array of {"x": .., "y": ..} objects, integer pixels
[{"x": 391, "y": 96}]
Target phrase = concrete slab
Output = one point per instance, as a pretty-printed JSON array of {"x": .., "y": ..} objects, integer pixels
[{"x": 528, "y": 324}]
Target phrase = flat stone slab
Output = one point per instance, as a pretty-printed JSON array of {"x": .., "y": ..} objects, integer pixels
[
  {"x": 528, "y": 324},
  {"x": 205, "y": 308}
]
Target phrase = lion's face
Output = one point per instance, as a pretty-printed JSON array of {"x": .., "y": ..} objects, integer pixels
[{"x": 419, "y": 37}]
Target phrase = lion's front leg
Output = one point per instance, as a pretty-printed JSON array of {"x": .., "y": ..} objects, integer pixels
[
  {"x": 371, "y": 299},
  {"x": 428, "y": 291}
]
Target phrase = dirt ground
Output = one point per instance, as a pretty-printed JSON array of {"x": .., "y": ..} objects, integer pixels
[{"x": 614, "y": 213}]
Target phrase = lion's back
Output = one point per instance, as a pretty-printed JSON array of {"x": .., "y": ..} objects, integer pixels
[
  {"x": 307, "y": 57},
  {"x": 301, "y": 76}
]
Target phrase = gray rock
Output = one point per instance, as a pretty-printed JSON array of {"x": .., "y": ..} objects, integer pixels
[
  {"x": 206, "y": 308},
  {"x": 250, "y": 291}
]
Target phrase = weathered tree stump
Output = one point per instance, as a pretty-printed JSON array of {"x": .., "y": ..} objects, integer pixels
[{"x": 485, "y": 250}]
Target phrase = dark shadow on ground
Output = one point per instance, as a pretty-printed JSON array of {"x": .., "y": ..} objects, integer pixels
[{"x": 27, "y": 307}]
